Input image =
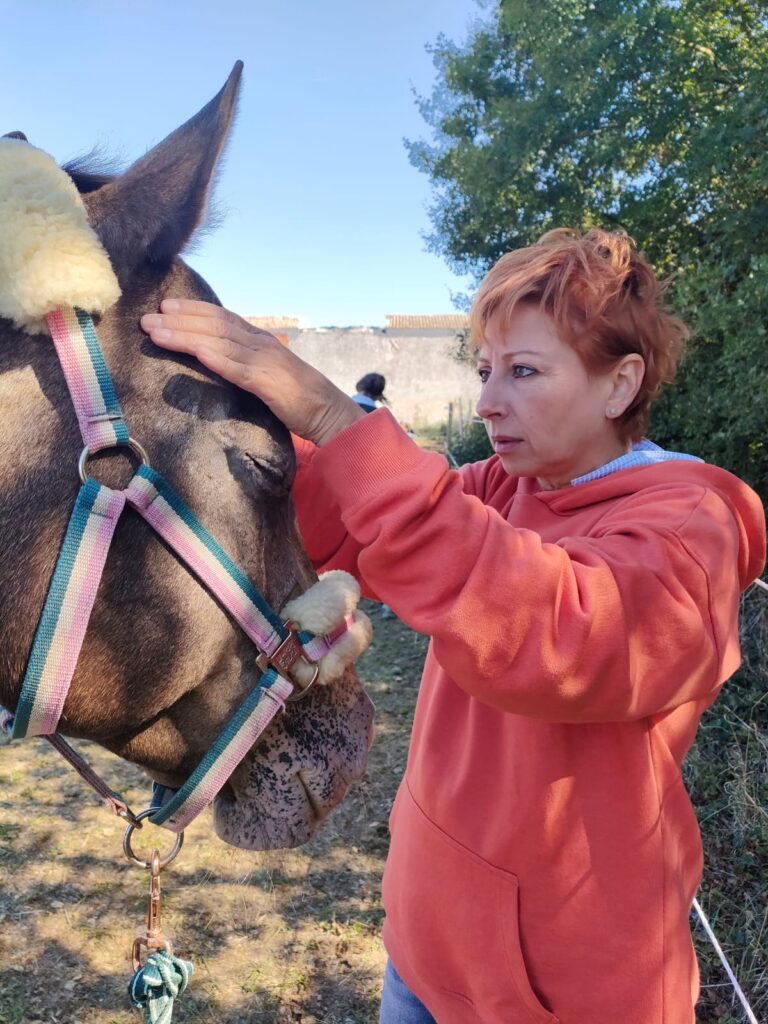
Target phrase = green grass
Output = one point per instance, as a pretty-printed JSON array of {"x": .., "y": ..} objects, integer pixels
[
  {"x": 727, "y": 776},
  {"x": 12, "y": 1009}
]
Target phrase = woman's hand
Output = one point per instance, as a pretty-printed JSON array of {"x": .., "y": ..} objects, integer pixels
[{"x": 298, "y": 394}]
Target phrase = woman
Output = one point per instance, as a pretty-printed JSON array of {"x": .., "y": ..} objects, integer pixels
[
  {"x": 370, "y": 391},
  {"x": 581, "y": 589}
]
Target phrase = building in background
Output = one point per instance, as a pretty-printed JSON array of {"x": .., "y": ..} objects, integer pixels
[{"x": 418, "y": 355}]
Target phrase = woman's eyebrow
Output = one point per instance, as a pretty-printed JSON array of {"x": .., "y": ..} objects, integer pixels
[
  {"x": 516, "y": 352},
  {"x": 522, "y": 352},
  {"x": 509, "y": 356}
]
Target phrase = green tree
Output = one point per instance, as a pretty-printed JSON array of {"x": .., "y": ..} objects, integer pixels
[{"x": 646, "y": 115}]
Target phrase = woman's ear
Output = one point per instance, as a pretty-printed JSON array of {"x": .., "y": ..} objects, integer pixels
[{"x": 627, "y": 376}]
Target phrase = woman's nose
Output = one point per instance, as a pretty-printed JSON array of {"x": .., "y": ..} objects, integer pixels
[{"x": 488, "y": 404}]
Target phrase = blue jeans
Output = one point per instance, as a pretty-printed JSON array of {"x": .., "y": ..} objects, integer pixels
[{"x": 398, "y": 1004}]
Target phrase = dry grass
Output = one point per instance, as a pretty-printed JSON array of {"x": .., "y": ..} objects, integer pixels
[{"x": 294, "y": 936}]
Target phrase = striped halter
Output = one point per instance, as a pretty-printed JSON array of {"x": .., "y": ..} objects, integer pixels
[{"x": 72, "y": 592}]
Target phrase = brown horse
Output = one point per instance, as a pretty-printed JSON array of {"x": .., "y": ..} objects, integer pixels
[{"x": 163, "y": 666}]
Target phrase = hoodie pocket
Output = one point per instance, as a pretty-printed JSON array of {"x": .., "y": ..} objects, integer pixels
[{"x": 452, "y": 924}]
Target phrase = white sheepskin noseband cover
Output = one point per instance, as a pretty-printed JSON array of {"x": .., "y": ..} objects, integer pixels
[
  {"x": 323, "y": 607},
  {"x": 50, "y": 256}
]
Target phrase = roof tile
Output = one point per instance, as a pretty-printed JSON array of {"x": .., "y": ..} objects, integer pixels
[{"x": 430, "y": 322}]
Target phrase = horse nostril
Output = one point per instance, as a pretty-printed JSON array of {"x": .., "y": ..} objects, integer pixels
[{"x": 16, "y": 135}]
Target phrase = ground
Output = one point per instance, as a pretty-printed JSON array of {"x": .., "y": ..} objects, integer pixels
[{"x": 282, "y": 938}]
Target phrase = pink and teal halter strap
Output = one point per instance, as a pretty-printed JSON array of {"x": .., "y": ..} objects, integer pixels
[
  {"x": 90, "y": 385},
  {"x": 64, "y": 619},
  {"x": 67, "y": 609},
  {"x": 154, "y": 499}
]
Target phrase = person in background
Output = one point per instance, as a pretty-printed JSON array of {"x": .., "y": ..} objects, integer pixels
[
  {"x": 370, "y": 391},
  {"x": 581, "y": 590}
]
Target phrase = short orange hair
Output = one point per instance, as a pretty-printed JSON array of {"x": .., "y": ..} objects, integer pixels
[{"x": 605, "y": 300}]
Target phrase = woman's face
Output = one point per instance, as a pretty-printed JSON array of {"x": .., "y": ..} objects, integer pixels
[{"x": 545, "y": 415}]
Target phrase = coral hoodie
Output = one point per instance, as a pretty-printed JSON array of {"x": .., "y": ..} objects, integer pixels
[{"x": 544, "y": 852}]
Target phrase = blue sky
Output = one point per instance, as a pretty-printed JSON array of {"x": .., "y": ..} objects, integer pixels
[{"x": 323, "y": 214}]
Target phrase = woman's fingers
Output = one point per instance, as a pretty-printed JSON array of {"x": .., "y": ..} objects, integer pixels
[
  {"x": 196, "y": 307},
  {"x": 306, "y": 401},
  {"x": 223, "y": 343},
  {"x": 228, "y": 358},
  {"x": 204, "y": 311},
  {"x": 190, "y": 317},
  {"x": 180, "y": 335},
  {"x": 239, "y": 372},
  {"x": 189, "y": 333},
  {"x": 201, "y": 318}
]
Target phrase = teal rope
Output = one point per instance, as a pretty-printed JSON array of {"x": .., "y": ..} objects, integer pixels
[{"x": 154, "y": 986}]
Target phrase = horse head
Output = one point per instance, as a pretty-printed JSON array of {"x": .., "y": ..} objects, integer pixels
[{"x": 163, "y": 666}]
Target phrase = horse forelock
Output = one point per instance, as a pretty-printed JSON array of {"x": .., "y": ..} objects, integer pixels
[{"x": 91, "y": 171}]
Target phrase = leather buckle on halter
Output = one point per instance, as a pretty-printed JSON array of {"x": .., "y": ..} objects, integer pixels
[{"x": 284, "y": 658}]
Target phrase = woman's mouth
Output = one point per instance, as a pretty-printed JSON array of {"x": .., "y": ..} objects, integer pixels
[{"x": 504, "y": 445}]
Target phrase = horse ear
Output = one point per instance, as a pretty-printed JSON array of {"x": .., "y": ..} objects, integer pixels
[{"x": 150, "y": 212}]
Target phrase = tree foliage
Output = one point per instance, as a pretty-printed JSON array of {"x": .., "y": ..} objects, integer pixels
[{"x": 646, "y": 115}]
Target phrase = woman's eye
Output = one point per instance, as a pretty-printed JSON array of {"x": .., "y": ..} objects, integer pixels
[{"x": 519, "y": 371}]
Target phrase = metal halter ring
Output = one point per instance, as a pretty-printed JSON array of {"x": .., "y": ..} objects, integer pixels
[
  {"x": 299, "y": 693},
  {"x": 134, "y": 445},
  {"x": 128, "y": 849}
]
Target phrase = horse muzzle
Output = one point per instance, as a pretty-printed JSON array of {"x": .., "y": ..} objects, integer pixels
[{"x": 299, "y": 771}]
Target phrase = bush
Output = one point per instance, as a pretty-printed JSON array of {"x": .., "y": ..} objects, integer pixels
[{"x": 471, "y": 446}]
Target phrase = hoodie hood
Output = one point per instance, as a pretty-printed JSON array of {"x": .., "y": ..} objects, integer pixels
[{"x": 742, "y": 502}]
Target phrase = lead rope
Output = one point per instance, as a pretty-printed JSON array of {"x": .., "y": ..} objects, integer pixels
[
  {"x": 156, "y": 984},
  {"x": 710, "y": 932}
]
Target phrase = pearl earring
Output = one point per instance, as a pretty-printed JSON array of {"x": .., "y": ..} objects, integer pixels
[{"x": 611, "y": 411}]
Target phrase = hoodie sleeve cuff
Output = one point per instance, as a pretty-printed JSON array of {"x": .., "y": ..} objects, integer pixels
[{"x": 365, "y": 455}]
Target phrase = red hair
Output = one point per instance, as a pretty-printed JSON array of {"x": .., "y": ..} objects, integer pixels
[{"x": 604, "y": 299}]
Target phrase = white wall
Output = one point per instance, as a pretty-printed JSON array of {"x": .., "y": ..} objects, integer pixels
[{"x": 423, "y": 375}]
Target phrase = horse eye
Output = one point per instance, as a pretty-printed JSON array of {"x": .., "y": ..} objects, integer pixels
[
  {"x": 262, "y": 475},
  {"x": 273, "y": 473}
]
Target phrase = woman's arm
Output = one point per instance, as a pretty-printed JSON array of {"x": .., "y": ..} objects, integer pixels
[
  {"x": 631, "y": 621},
  {"x": 326, "y": 539},
  {"x": 618, "y": 625}
]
